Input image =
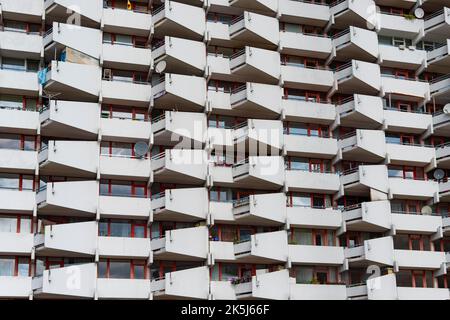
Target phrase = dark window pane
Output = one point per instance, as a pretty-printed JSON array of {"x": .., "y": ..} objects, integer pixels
[{"x": 119, "y": 269}]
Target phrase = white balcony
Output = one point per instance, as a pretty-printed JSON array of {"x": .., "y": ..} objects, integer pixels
[
  {"x": 437, "y": 25},
  {"x": 57, "y": 197},
  {"x": 416, "y": 223},
  {"x": 181, "y": 56},
  {"x": 359, "y": 76},
  {"x": 361, "y": 111},
  {"x": 18, "y": 161},
  {"x": 439, "y": 58},
  {"x": 374, "y": 216},
  {"x": 353, "y": 13},
  {"x": 255, "y": 63},
  {"x": 180, "y": 129},
  {"x": 186, "y": 204},
  {"x": 18, "y": 121},
  {"x": 124, "y": 248},
  {"x": 306, "y": 13},
  {"x": 186, "y": 93},
  {"x": 256, "y": 100},
  {"x": 312, "y": 147},
  {"x": 439, "y": 89},
  {"x": 413, "y": 189},
  {"x": 124, "y": 207},
  {"x": 407, "y": 122},
  {"x": 268, "y": 247},
  {"x": 441, "y": 124},
  {"x": 309, "y": 45},
  {"x": 20, "y": 44},
  {"x": 126, "y": 130},
  {"x": 185, "y": 284},
  {"x": 68, "y": 119},
  {"x": 27, "y": 9},
  {"x": 59, "y": 283},
  {"x": 65, "y": 35},
  {"x": 410, "y": 155},
  {"x": 68, "y": 239},
  {"x": 396, "y": 88},
  {"x": 188, "y": 244},
  {"x": 444, "y": 191},
  {"x": 306, "y": 217},
  {"x": 132, "y": 289},
  {"x": 379, "y": 251},
  {"x": 128, "y": 168},
  {"x": 267, "y": 135},
  {"x": 261, "y": 209},
  {"x": 170, "y": 20},
  {"x": 307, "y": 78},
  {"x": 404, "y": 57},
  {"x": 126, "y": 57},
  {"x": 308, "y": 111},
  {"x": 180, "y": 166},
  {"x": 18, "y": 82},
  {"x": 443, "y": 156},
  {"x": 300, "y": 291},
  {"x": 266, "y": 6},
  {"x": 218, "y": 67},
  {"x": 363, "y": 145},
  {"x": 255, "y": 29},
  {"x": 264, "y": 172},
  {"x": 316, "y": 255},
  {"x": 12, "y": 243},
  {"x": 126, "y": 93},
  {"x": 305, "y": 181},
  {"x": 365, "y": 179},
  {"x": 15, "y": 201},
  {"x": 15, "y": 287},
  {"x": 60, "y": 10},
  {"x": 265, "y": 285},
  {"x": 399, "y": 26},
  {"x": 61, "y": 158},
  {"x": 385, "y": 288},
  {"x": 357, "y": 43},
  {"x": 74, "y": 81},
  {"x": 116, "y": 20},
  {"x": 423, "y": 260}
]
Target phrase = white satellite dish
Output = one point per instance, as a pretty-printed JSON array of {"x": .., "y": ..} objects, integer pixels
[
  {"x": 446, "y": 108},
  {"x": 419, "y": 13},
  {"x": 426, "y": 210},
  {"x": 438, "y": 174},
  {"x": 141, "y": 149},
  {"x": 161, "y": 66}
]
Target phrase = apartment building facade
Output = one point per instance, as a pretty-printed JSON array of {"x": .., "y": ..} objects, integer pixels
[{"x": 224, "y": 149}]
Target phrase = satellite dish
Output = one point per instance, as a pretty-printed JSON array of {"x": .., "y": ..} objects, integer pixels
[
  {"x": 160, "y": 66},
  {"x": 140, "y": 149},
  {"x": 438, "y": 174},
  {"x": 446, "y": 108},
  {"x": 426, "y": 210},
  {"x": 419, "y": 13}
]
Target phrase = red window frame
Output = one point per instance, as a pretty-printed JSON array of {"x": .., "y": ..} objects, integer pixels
[
  {"x": 133, "y": 264},
  {"x": 134, "y": 185},
  {"x": 133, "y": 224}
]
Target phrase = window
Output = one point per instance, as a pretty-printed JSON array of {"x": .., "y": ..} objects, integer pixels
[
  {"x": 15, "y": 224},
  {"x": 16, "y": 181},
  {"x": 15, "y": 267},
  {"x": 122, "y": 269},
  {"x": 124, "y": 113},
  {"x": 17, "y": 142},
  {"x": 122, "y": 228},
  {"x": 123, "y": 188}
]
